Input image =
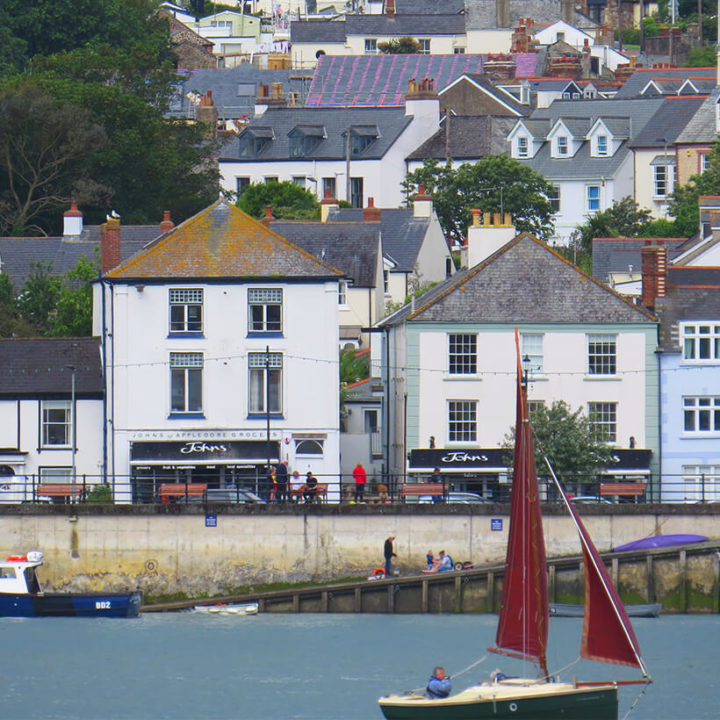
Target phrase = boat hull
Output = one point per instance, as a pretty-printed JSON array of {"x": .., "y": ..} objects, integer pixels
[
  {"x": 545, "y": 702},
  {"x": 640, "y": 610},
  {"x": 70, "y": 605}
]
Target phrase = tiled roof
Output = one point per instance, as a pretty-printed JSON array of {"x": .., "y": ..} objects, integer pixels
[
  {"x": 350, "y": 247},
  {"x": 668, "y": 122},
  {"x": 642, "y": 76},
  {"x": 701, "y": 127},
  {"x": 222, "y": 242},
  {"x": 524, "y": 281},
  {"x": 42, "y": 367},
  {"x": 381, "y": 80},
  {"x": 618, "y": 254},
  {"x": 470, "y": 137},
  {"x": 391, "y": 122},
  {"x": 402, "y": 234}
]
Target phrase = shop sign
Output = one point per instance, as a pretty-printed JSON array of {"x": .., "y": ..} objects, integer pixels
[{"x": 458, "y": 458}]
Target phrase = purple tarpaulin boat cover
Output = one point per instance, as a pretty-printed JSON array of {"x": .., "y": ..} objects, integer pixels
[{"x": 657, "y": 541}]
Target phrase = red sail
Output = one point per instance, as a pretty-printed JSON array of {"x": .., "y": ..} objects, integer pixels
[
  {"x": 523, "y": 622},
  {"x": 608, "y": 635}
]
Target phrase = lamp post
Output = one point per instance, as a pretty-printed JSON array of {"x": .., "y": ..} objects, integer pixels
[
  {"x": 73, "y": 429},
  {"x": 267, "y": 415}
]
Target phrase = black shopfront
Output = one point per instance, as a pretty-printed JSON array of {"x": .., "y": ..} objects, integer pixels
[{"x": 216, "y": 462}]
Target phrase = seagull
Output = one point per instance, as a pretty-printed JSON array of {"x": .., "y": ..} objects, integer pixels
[{"x": 113, "y": 215}]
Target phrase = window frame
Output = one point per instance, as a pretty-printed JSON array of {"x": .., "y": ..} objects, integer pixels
[
  {"x": 562, "y": 146},
  {"x": 186, "y": 383},
  {"x": 357, "y": 200},
  {"x": 602, "y": 148},
  {"x": 555, "y": 199},
  {"x": 462, "y": 417},
  {"x": 342, "y": 293},
  {"x": 602, "y": 417},
  {"x": 523, "y": 146},
  {"x": 259, "y": 375},
  {"x": 370, "y": 46},
  {"x": 262, "y": 299},
  {"x": 592, "y": 204},
  {"x": 532, "y": 345},
  {"x": 185, "y": 300},
  {"x": 242, "y": 183},
  {"x": 462, "y": 354},
  {"x": 329, "y": 183},
  {"x": 424, "y": 46},
  {"x": 691, "y": 336},
  {"x": 47, "y": 424},
  {"x": 704, "y": 410},
  {"x": 601, "y": 362}
]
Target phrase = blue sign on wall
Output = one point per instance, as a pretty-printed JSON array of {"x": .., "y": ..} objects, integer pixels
[
  {"x": 496, "y": 524},
  {"x": 211, "y": 521}
]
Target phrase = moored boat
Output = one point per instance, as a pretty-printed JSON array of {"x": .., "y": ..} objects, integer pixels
[
  {"x": 645, "y": 610},
  {"x": 229, "y": 609},
  {"x": 524, "y": 615},
  {"x": 22, "y": 596}
]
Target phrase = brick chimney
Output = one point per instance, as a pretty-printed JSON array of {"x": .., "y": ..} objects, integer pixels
[
  {"x": 654, "y": 274},
  {"x": 422, "y": 204},
  {"x": 371, "y": 213},
  {"x": 327, "y": 205},
  {"x": 167, "y": 224},
  {"x": 269, "y": 217},
  {"x": 390, "y": 8},
  {"x": 109, "y": 245},
  {"x": 72, "y": 221},
  {"x": 207, "y": 113}
]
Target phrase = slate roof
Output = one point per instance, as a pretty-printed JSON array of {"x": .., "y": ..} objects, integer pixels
[
  {"x": 382, "y": 80},
  {"x": 470, "y": 137},
  {"x": 350, "y": 247},
  {"x": 317, "y": 31},
  {"x": 641, "y": 77},
  {"x": 701, "y": 127},
  {"x": 401, "y": 25},
  {"x": 402, "y": 234},
  {"x": 668, "y": 122},
  {"x": 619, "y": 253},
  {"x": 482, "y": 15},
  {"x": 234, "y": 90},
  {"x": 582, "y": 165},
  {"x": 429, "y": 7},
  {"x": 497, "y": 92},
  {"x": 40, "y": 367},
  {"x": 524, "y": 281},
  {"x": 391, "y": 122},
  {"x": 19, "y": 254},
  {"x": 222, "y": 242}
]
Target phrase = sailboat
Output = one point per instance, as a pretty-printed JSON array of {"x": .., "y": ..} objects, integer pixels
[{"x": 523, "y": 621}]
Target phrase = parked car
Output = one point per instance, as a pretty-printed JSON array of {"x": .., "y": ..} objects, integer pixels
[
  {"x": 452, "y": 497},
  {"x": 227, "y": 495},
  {"x": 589, "y": 499}
]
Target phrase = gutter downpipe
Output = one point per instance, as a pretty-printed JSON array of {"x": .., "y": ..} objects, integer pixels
[
  {"x": 105, "y": 385},
  {"x": 112, "y": 403},
  {"x": 658, "y": 355}
]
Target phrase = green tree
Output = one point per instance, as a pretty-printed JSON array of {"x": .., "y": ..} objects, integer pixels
[
  {"x": 398, "y": 46},
  {"x": 73, "y": 310},
  {"x": 567, "y": 438},
  {"x": 38, "y": 300},
  {"x": 494, "y": 184},
  {"x": 287, "y": 200},
  {"x": 705, "y": 56},
  {"x": 624, "y": 219}
]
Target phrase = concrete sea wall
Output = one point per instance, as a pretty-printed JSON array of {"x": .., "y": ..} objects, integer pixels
[{"x": 169, "y": 549}]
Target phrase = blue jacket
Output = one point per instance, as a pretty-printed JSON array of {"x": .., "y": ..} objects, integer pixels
[{"x": 437, "y": 688}]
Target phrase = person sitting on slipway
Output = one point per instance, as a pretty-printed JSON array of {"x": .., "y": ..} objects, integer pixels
[{"x": 439, "y": 684}]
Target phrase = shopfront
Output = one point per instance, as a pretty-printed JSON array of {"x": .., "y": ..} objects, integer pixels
[{"x": 216, "y": 462}]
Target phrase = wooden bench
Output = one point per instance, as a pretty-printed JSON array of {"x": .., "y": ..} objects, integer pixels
[
  {"x": 622, "y": 489},
  {"x": 321, "y": 491},
  {"x": 421, "y": 489},
  {"x": 60, "y": 490},
  {"x": 170, "y": 492}
]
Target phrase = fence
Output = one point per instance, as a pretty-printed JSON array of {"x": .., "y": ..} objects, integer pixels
[{"x": 699, "y": 488}]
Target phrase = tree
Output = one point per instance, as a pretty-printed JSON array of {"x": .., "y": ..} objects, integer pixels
[
  {"x": 624, "y": 219},
  {"x": 494, "y": 184},
  {"x": 567, "y": 439},
  {"x": 287, "y": 200},
  {"x": 398, "y": 46},
  {"x": 39, "y": 296},
  {"x": 73, "y": 310}
]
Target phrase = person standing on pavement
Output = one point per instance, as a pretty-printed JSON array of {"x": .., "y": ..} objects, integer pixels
[
  {"x": 389, "y": 554},
  {"x": 281, "y": 482},
  {"x": 360, "y": 477}
]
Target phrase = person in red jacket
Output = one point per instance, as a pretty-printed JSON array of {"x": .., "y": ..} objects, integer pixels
[{"x": 360, "y": 477}]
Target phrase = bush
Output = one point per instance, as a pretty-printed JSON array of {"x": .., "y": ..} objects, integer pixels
[{"x": 100, "y": 495}]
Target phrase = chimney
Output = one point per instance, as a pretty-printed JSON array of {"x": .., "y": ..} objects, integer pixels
[
  {"x": 476, "y": 216},
  {"x": 390, "y": 8},
  {"x": 484, "y": 239},
  {"x": 207, "y": 113},
  {"x": 422, "y": 204},
  {"x": 109, "y": 245},
  {"x": 327, "y": 204},
  {"x": 269, "y": 217},
  {"x": 72, "y": 221},
  {"x": 654, "y": 274},
  {"x": 371, "y": 213},
  {"x": 167, "y": 224}
]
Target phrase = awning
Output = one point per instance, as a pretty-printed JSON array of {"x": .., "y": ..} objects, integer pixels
[{"x": 205, "y": 452}]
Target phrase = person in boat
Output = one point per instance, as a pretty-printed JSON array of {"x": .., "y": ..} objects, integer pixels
[{"x": 439, "y": 684}]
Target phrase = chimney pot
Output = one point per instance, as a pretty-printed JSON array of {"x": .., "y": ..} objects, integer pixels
[
  {"x": 371, "y": 213},
  {"x": 476, "y": 213},
  {"x": 269, "y": 218},
  {"x": 72, "y": 220},
  {"x": 167, "y": 224}
]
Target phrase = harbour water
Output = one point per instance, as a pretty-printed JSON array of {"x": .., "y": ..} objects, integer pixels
[{"x": 310, "y": 667}]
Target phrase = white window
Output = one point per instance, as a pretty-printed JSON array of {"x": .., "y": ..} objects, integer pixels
[
  {"x": 602, "y": 358},
  {"x": 308, "y": 446},
  {"x": 55, "y": 474},
  {"x": 424, "y": 44},
  {"x": 186, "y": 306},
  {"x": 532, "y": 348},
  {"x": 602, "y": 145},
  {"x": 459, "y": 51},
  {"x": 265, "y": 309},
  {"x": 56, "y": 422},
  {"x": 603, "y": 420},
  {"x": 371, "y": 46},
  {"x": 342, "y": 292},
  {"x": 386, "y": 282},
  {"x": 523, "y": 149},
  {"x": 701, "y": 414},
  {"x": 462, "y": 421},
  {"x": 704, "y": 162},
  {"x": 701, "y": 482},
  {"x": 663, "y": 180},
  {"x": 554, "y": 198},
  {"x": 328, "y": 187},
  {"x": 562, "y": 145},
  {"x": 299, "y": 180},
  {"x": 186, "y": 382},
  {"x": 592, "y": 197},
  {"x": 265, "y": 382},
  {"x": 701, "y": 342},
  {"x": 462, "y": 354}
]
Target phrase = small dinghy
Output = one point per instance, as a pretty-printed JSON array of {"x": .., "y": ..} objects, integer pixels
[
  {"x": 231, "y": 609},
  {"x": 640, "y": 610}
]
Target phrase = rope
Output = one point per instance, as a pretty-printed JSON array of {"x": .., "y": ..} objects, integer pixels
[
  {"x": 635, "y": 702},
  {"x": 567, "y": 667},
  {"x": 415, "y": 691}
]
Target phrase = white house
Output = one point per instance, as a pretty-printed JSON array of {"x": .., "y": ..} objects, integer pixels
[{"x": 217, "y": 337}]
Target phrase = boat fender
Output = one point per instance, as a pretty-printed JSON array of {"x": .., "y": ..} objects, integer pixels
[{"x": 379, "y": 572}]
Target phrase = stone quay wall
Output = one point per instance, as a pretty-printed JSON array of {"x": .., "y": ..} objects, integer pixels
[{"x": 194, "y": 550}]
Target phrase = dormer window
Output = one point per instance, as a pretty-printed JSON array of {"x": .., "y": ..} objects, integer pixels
[
  {"x": 305, "y": 138},
  {"x": 602, "y": 145},
  {"x": 254, "y": 140},
  {"x": 522, "y": 147},
  {"x": 361, "y": 137},
  {"x": 561, "y": 146}
]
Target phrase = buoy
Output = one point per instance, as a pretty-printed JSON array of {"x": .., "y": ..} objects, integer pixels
[{"x": 379, "y": 572}]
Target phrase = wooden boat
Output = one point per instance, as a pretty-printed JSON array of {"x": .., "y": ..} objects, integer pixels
[
  {"x": 229, "y": 609},
  {"x": 21, "y": 595},
  {"x": 524, "y": 618},
  {"x": 647, "y": 610}
]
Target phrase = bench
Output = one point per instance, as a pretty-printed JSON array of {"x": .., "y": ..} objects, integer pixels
[
  {"x": 622, "y": 489},
  {"x": 60, "y": 490},
  {"x": 169, "y": 492},
  {"x": 422, "y": 489},
  {"x": 321, "y": 491}
]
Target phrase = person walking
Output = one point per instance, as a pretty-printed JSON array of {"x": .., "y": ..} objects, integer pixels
[
  {"x": 389, "y": 554},
  {"x": 360, "y": 477},
  {"x": 281, "y": 482}
]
